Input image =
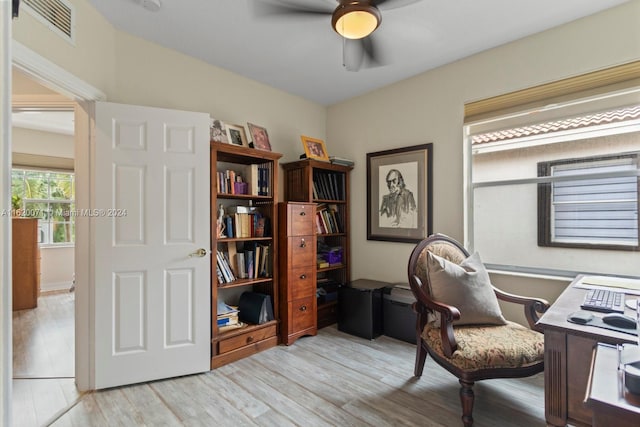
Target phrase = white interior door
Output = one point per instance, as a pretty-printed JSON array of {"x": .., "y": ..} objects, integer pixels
[{"x": 150, "y": 218}]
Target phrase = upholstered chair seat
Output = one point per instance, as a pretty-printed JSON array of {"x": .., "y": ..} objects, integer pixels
[{"x": 489, "y": 347}]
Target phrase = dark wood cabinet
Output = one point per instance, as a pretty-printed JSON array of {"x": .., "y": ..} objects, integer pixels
[
  {"x": 25, "y": 263},
  {"x": 297, "y": 273},
  {"x": 327, "y": 186},
  {"x": 250, "y": 223}
]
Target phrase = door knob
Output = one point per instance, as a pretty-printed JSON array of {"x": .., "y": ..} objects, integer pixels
[{"x": 199, "y": 253}]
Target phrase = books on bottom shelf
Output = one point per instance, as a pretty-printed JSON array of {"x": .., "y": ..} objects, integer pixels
[{"x": 227, "y": 318}]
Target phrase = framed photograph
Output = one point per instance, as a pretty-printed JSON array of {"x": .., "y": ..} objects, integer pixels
[
  {"x": 236, "y": 135},
  {"x": 314, "y": 148},
  {"x": 259, "y": 137},
  {"x": 399, "y": 194},
  {"x": 218, "y": 131}
]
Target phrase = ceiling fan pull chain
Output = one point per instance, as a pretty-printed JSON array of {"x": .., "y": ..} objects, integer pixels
[{"x": 344, "y": 60}]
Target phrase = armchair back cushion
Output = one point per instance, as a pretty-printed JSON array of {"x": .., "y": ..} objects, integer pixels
[{"x": 465, "y": 285}]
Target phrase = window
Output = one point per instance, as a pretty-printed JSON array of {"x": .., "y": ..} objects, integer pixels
[
  {"x": 557, "y": 195},
  {"x": 596, "y": 208},
  {"x": 49, "y": 196}
]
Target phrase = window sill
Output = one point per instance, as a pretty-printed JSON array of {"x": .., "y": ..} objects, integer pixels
[
  {"x": 57, "y": 246},
  {"x": 559, "y": 277}
]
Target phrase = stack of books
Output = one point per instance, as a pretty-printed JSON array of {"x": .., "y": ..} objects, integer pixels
[
  {"x": 227, "y": 317},
  {"x": 341, "y": 161}
]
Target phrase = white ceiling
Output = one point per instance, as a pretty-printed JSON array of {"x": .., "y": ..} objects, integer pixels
[{"x": 303, "y": 55}]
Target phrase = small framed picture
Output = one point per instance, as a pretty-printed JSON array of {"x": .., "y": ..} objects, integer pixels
[
  {"x": 218, "y": 131},
  {"x": 260, "y": 137},
  {"x": 236, "y": 135},
  {"x": 314, "y": 148}
]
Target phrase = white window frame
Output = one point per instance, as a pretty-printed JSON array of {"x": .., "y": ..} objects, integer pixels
[{"x": 45, "y": 224}]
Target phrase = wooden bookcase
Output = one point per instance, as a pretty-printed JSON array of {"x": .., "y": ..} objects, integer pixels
[
  {"x": 262, "y": 188},
  {"x": 326, "y": 185}
]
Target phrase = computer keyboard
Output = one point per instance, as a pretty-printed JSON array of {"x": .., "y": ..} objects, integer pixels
[{"x": 603, "y": 300}]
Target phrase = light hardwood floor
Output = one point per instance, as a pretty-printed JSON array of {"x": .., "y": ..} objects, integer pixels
[
  {"x": 333, "y": 379},
  {"x": 43, "y": 360}
]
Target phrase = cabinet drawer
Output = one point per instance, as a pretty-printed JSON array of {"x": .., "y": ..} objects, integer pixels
[
  {"x": 247, "y": 338},
  {"x": 302, "y": 251},
  {"x": 301, "y": 283},
  {"x": 303, "y": 313},
  {"x": 301, "y": 219}
]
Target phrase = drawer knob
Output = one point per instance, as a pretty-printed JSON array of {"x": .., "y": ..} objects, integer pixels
[
  {"x": 303, "y": 308},
  {"x": 303, "y": 243},
  {"x": 249, "y": 339},
  {"x": 303, "y": 213},
  {"x": 303, "y": 276}
]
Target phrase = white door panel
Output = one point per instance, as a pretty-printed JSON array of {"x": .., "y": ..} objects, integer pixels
[{"x": 152, "y": 301}]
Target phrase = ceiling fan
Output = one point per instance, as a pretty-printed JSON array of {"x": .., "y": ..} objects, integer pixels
[{"x": 354, "y": 20}]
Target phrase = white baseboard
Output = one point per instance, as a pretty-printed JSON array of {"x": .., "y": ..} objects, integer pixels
[{"x": 55, "y": 286}]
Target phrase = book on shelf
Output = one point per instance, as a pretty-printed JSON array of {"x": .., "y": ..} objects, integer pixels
[
  {"x": 223, "y": 267},
  {"x": 328, "y": 219},
  {"x": 224, "y": 309},
  {"x": 341, "y": 161},
  {"x": 227, "y": 315},
  {"x": 230, "y": 320},
  {"x": 226, "y": 328},
  {"x": 240, "y": 262}
]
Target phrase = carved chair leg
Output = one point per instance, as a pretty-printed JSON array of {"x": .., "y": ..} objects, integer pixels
[
  {"x": 421, "y": 356},
  {"x": 466, "y": 399}
]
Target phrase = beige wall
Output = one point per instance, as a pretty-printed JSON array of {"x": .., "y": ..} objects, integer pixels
[
  {"x": 41, "y": 143},
  {"x": 429, "y": 108},
  {"x": 56, "y": 268}
]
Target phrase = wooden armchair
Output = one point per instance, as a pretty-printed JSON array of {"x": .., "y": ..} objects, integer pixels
[{"x": 471, "y": 352}]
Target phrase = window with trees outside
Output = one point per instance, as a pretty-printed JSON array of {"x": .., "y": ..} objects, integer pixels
[
  {"x": 48, "y": 196},
  {"x": 552, "y": 188}
]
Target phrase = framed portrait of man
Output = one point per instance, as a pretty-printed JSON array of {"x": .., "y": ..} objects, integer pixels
[{"x": 399, "y": 188}]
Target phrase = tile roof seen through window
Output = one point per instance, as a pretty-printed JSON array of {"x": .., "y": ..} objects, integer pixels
[{"x": 619, "y": 115}]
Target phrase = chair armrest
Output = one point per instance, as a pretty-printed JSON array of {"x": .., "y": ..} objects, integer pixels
[
  {"x": 448, "y": 314},
  {"x": 533, "y": 307}
]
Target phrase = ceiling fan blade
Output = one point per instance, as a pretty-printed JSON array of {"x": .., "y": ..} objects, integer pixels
[
  {"x": 361, "y": 53},
  {"x": 284, "y": 7},
  {"x": 392, "y": 4}
]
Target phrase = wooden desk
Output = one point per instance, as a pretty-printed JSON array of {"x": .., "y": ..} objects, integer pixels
[
  {"x": 611, "y": 402},
  {"x": 567, "y": 358}
]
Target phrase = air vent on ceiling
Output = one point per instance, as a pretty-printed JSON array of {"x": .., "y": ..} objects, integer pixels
[{"x": 57, "y": 14}]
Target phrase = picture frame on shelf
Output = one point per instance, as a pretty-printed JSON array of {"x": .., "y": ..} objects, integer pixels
[
  {"x": 260, "y": 137},
  {"x": 314, "y": 148},
  {"x": 237, "y": 135},
  {"x": 399, "y": 194},
  {"x": 218, "y": 131}
]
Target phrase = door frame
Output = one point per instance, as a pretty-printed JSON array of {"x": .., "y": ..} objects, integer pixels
[{"x": 59, "y": 80}]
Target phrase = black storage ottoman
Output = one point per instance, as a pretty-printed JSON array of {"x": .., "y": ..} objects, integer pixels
[
  {"x": 360, "y": 308},
  {"x": 398, "y": 314}
]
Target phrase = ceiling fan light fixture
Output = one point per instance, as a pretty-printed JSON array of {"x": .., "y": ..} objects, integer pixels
[{"x": 355, "y": 19}]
